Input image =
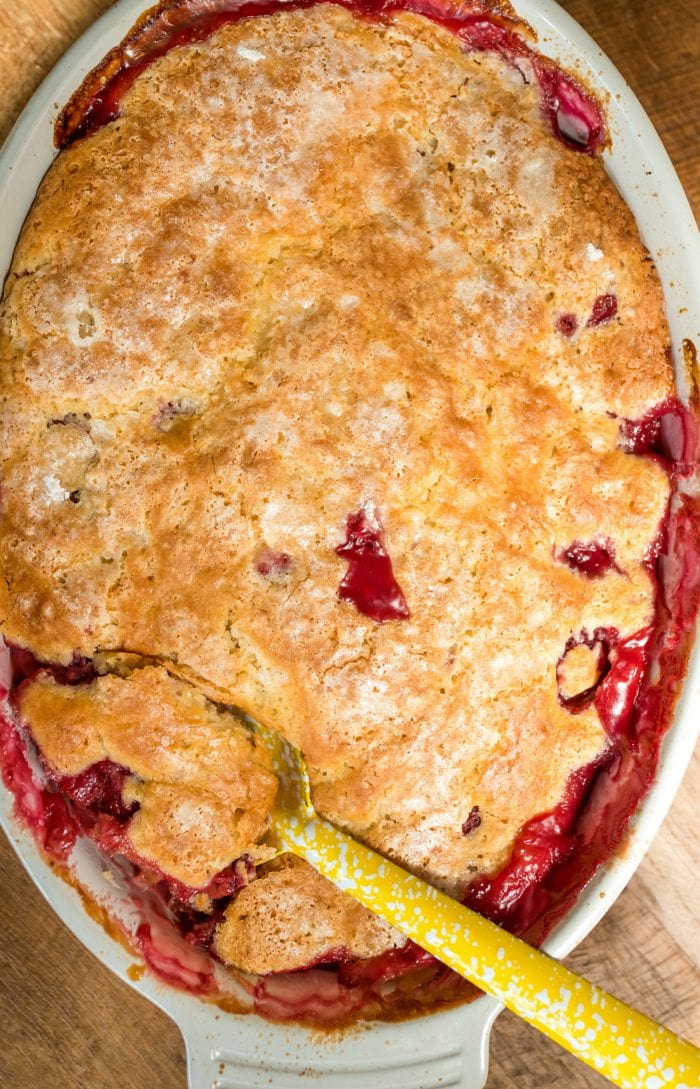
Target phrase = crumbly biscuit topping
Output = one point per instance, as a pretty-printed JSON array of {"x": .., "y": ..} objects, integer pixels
[
  {"x": 203, "y": 786},
  {"x": 320, "y": 264},
  {"x": 291, "y": 916}
]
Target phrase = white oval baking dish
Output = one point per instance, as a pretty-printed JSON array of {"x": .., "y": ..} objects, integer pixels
[{"x": 227, "y": 1051}]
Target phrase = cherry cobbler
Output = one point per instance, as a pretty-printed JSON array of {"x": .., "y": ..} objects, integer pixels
[{"x": 336, "y": 393}]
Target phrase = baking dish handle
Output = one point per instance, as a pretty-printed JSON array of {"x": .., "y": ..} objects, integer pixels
[{"x": 449, "y": 1049}]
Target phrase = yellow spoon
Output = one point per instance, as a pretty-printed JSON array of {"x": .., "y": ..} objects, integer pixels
[{"x": 630, "y": 1049}]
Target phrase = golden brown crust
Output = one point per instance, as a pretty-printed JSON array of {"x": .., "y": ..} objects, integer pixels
[
  {"x": 159, "y": 25},
  {"x": 204, "y": 787},
  {"x": 291, "y": 916},
  {"x": 318, "y": 263}
]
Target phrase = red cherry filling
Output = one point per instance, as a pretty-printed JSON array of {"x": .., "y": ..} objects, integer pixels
[
  {"x": 557, "y": 853},
  {"x": 617, "y": 692},
  {"x": 668, "y": 434},
  {"x": 566, "y": 324},
  {"x": 24, "y": 664},
  {"x": 512, "y": 897},
  {"x": 592, "y": 558},
  {"x": 370, "y": 583},
  {"x": 44, "y": 812},
  {"x": 573, "y": 116},
  {"x": 97, "y": 789},
  {"x": 390, "y": 965},
  {"x": 105, "y": 819},
  {"x": 604, "y": 309},
  {"x": 473, "y": 821}
]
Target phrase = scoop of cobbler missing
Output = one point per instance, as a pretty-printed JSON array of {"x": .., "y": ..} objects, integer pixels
[{"x": 336, "y": 394}]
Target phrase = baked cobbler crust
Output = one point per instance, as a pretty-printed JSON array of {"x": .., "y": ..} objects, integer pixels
[
  {"x": 321, "y": 266},
  {"x": 203, "y": 786},
  {"x": 292, "y": 916}
]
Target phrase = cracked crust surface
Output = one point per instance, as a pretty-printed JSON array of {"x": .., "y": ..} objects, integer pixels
[{"x": 318, "y": 262}]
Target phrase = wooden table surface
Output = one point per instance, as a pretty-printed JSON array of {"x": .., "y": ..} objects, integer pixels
[{"x": 66, "y": 1022}]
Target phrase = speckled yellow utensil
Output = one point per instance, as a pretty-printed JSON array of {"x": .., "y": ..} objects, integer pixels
[{"x": 630, "y": 1049}]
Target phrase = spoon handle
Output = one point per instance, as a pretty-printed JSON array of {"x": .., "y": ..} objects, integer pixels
[{"x": 624, "y": 1045}]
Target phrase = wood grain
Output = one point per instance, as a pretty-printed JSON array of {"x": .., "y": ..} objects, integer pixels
[{"x": 66, "y": 1021}]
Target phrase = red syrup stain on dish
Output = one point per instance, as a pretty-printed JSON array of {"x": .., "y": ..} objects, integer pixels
[
  {"x": 573, "y": 115},
  {"x": 370, "y": 583},
  {"x": 336, "y": 988},
  {"x": 592, "y": 558},
  {"x": 604, "y": 310},
  {"x": 335, "y": 995},
  {"x": 164, "y": 937},
  {"x": 314, "y": 994}
]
